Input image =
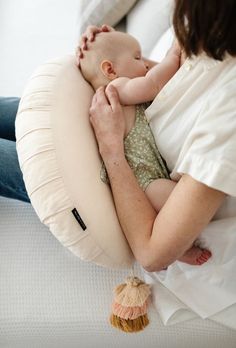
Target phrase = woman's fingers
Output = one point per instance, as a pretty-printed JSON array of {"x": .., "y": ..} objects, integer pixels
[
  {"x": 93, "y": 103},
  {"x": 109, "y": 98},
  {"x": 108, "y": 121},
  {"x": 107, "y": 28},
  {"x": 89, "y": 36},
  {"x": 91, "y": 32},
  {"x": 113, "y": 97},
  {"x": 83, "y": 42},
  {"x": 101, "y": 96},
  {"x": 79, "y": 55},
  {"x": 99, "y": 100}
]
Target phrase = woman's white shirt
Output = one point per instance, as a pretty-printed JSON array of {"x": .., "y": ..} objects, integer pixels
[{"x": 193, "y": 120}]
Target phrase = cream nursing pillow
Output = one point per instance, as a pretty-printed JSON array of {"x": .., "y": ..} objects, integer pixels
[{"x": 61, "y": 165}]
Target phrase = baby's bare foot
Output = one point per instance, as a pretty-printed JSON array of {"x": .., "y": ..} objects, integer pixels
[{"x": 196, "y": 256}]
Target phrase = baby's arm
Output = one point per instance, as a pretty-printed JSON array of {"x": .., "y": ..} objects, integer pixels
[
  {"x": 143, "y": 89},
  {"x": 158, "y": 192}
]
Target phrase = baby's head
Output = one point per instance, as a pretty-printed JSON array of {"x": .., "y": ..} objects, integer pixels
[{"x": 112, "y": 54}]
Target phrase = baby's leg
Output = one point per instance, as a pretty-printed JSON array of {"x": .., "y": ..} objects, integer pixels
[{"x": 158, "y": 192}]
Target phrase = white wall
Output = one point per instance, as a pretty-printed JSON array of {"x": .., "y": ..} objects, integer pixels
[{"x": 32, "y": 32}]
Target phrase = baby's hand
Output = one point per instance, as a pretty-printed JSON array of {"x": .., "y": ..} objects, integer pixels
[
  {"x": 89, "y": 36},
  {"x": 179, "y": 52},
  {"x": 182, "y": 57},
  {"x": 175, "y": 48},
  {"x": 175, "y": 53}
]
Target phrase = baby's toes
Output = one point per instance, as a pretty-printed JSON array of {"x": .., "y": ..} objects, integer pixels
[{"x": 204, "y": 257}]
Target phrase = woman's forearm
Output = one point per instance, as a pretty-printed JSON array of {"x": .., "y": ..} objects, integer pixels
[
  {"x": 153, "y": 248},
  {"x": 134, "y": 210}
]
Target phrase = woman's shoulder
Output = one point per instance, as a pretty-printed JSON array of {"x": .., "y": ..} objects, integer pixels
[
  {"x": 227, "y": 65},
  {"x": 209, "y": 63},
  {"x": 221, "y": 76}
]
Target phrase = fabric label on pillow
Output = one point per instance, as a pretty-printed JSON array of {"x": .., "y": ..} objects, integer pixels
[{"x": 78, "y": 218}]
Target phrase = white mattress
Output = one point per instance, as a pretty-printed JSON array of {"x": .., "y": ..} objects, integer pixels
[{"x": 49, "y": 298}]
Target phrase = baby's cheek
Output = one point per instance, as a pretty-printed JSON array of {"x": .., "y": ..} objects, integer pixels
[{"x": 143, "y": 71}]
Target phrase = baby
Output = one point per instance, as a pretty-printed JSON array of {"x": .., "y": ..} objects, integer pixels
[{"x": 115, "y": 58}]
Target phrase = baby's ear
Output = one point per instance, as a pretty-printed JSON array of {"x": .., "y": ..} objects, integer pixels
[{"x": 107, "y": 69}]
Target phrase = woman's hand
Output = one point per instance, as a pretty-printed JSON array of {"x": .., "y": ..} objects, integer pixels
[
  {"x": 107, "y": 119},
  {"x": 89, "y": 36}
]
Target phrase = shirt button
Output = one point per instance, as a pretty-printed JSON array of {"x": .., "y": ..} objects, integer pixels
[{"x": 188, "y": 67}]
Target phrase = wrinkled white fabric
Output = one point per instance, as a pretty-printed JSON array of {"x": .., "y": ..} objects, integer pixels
[{"x": 194, "y": 123}]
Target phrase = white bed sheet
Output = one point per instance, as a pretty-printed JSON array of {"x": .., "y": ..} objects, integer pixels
[{"x": 49, "y": 298}]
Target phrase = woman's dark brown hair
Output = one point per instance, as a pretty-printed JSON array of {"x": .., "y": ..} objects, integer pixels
[{"x": 206, "y": 25}]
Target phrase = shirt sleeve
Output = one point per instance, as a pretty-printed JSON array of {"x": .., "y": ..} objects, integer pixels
[{"x": 209, "y": 152}]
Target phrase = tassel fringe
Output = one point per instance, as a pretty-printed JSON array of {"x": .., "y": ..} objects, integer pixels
[
  {"x": 129, "y": 308},
  {"x": 129, "y": 325},
  {"x": 129, "y": 312}
]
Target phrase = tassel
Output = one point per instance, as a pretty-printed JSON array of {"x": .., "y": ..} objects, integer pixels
[
  {"x": 129, "y": 312},
  {"x": 129, "y": 308}
]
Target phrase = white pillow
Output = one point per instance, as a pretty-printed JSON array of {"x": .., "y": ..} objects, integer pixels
[
  {"x": 148, "y": 20},
  {"x": 162, "y": 46},
  {"x": 61, "y": 165},
  {"x": 99, "y": 12}
]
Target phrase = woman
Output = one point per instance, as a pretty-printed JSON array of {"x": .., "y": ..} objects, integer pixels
[{"x": 200, "y": 103}]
